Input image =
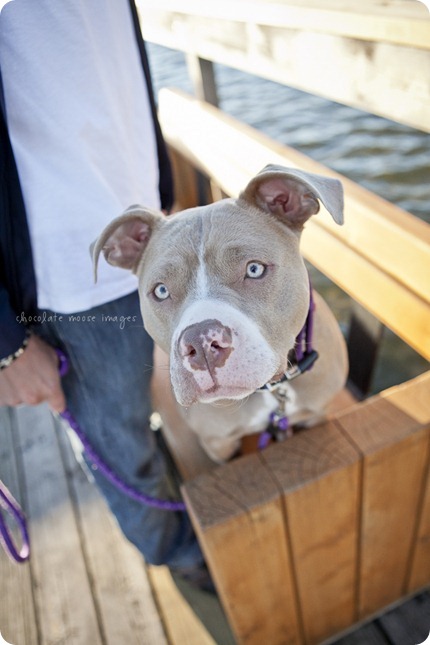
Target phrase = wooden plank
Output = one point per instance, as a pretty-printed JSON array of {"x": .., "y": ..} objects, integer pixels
[
  {"x": 394, "y": 447},
  {"x": 185, "y": 175},
  {"x": 318, "y": 470},
  {"x": 394, "y": 304},
  {"x": 352, "y": 255},
  {"x": 62, "y": 590},
  {"x": 419, "y": 574},
  {"x": 126, "y": 606},
  {"x": 395, "y": 22},
  {"x": 181, "y": 624},
  {"x": 17, "y": 613},
  {"x": 413, "y": 398},
  {"x": 207, "y": 607},
  {"x": 203, "y": 79},
  {"x": 377, "y": 63},
  {"x": 238, "y": 516}
]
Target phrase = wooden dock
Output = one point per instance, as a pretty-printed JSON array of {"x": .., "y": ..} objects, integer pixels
[{"x": 86, "y": 585}]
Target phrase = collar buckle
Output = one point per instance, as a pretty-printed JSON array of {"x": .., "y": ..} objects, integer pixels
[
  {"x": 303, "y": 365},
  {"x": 294, "y": 371}
]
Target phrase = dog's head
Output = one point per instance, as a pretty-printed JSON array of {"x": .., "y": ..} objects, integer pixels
[{"x": 223, "y": 288}]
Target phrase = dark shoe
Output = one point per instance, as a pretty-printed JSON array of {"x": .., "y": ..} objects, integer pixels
[{"x": 198, "y": 577}]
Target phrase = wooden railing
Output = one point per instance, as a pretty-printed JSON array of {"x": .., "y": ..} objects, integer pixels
[
  {"x": 370, "y": 54},
  {"x": 314, "y": 535}
]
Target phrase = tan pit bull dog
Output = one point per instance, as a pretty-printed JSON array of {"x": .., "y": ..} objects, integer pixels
[{"x": 224, "y": 292}]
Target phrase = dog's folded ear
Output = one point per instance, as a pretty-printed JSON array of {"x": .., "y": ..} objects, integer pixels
[
  {"x": 124, "y": 240},
  {"x": 293, "y": 195}
]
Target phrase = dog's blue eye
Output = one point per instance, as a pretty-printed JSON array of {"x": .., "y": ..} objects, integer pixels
[
  {"x": 255, "y": 269},
  {"x": 161, "y": 292}
]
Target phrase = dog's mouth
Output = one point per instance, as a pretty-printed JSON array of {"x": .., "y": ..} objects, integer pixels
[
  {"x": 216, "y": 386},
  {"x": 216, "y": 395}
]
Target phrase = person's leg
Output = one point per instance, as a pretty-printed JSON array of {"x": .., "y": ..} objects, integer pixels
[{"x": 107, "y": 390}]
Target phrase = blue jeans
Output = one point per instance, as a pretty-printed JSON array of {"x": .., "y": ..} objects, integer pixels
[{"x": 107, "y": 390}]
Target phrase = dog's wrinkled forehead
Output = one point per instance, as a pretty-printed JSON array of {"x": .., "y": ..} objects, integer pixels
[
  {"x": 216, "y": 235},
  {"x": 276, "y": 196}
]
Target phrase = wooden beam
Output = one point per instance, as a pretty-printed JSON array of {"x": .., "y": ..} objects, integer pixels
[
  {"x": 120, "y": 583},
  {"x": 394, "y": 445},
  {"x": 375, "y": 61},
  {"x": 238, "y": 516},
  {"x": 182, "y": 626},
  {"x": 318, "y": 472},
  {"x": 203, "y": 79},
  {"x": 185, "y": 178},
  {"x": 395, "y": 21},
  {"x": 413, "y": 398},
  {"x": 65, "y": 605}
]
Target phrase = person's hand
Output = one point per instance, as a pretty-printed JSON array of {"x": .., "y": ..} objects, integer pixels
[{"x": 33, "y": 378}]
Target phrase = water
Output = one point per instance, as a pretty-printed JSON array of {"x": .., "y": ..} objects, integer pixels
[{"x": 388, "y": 158}]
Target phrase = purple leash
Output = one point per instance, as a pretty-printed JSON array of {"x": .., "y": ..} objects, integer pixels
[
  {"x": 11, "y": 506},
  {"x": 102, "y": 467}
]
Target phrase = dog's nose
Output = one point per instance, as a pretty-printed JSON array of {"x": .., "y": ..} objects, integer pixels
[{"x": 206, "y": 345}]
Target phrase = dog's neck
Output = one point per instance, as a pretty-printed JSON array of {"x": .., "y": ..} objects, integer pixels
[{"x": 303, "y": 356}]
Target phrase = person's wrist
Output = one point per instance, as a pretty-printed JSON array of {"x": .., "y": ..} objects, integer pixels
[{"x": 8, "y": 360}]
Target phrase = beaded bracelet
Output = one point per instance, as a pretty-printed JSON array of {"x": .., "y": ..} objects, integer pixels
[{"x": 5, "y": 362}]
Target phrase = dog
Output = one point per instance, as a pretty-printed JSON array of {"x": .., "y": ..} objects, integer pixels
[{"x": 224, "y": 292}]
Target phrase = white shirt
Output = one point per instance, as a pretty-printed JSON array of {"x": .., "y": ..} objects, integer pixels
[{"x": 82, "y": 133}]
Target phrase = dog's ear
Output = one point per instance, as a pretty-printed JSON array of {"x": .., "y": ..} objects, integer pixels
[
  {"x": 292, "y": 195},
  {"x": 124, "y": 240}
]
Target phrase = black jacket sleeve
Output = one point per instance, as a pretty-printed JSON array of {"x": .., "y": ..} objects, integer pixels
[{"x": 17, "y": 281}]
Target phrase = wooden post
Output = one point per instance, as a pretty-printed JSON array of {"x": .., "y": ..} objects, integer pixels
[
  {"x": 413, "y": 398},
  {"x": 318, "y": 471},
  {"x": 238, "y": 516},
  {"x": 394, "y": 445},
  {"x": 185, "y": 180},
  {"x": 202, "y": 76}
]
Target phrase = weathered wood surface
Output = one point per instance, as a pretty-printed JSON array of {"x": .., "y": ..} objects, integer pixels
[
  {"x": 371, "y": 55},
  {"x": 390, "y": 280},
  {"x": 66, "y": 609},
  {"x": 17, "y": 611},
  {"x": 238, "y": 516},
  {"x": 318, "y": 474},
  {"x": 84, "y": 583},
  {"x": 416, "y": 404},
  {"x": 395, "y": 461}
]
